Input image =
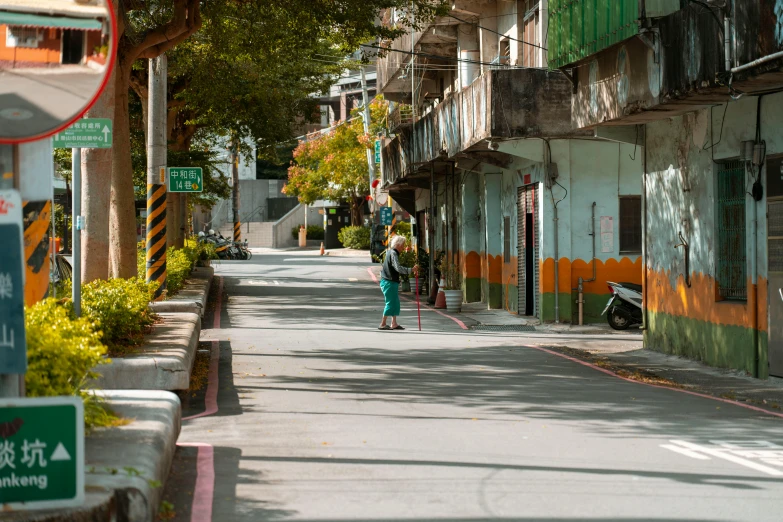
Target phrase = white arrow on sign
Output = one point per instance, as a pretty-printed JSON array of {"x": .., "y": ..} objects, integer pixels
[
  {"x": 60, "y": 453},
  {"x": 106, "y": 133}
]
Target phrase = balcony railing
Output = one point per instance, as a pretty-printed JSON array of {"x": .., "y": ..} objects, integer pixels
[
  {"x": 511, "y": 103},
  {"x": 401, "y": 116}
]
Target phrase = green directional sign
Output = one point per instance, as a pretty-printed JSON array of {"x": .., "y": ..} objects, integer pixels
[
  {"x": 377, "y": 151},
  {"x": 41, "y": 453},
  {"x": 186, "y": 179},
  {"x": 87, "y": 133}
]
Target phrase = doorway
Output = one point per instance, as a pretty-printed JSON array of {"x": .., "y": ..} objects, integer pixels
[
  {"x": 73, "y": 46},
  {"x": 527, "y": 250},
  {"x": 775, "y": 265}
]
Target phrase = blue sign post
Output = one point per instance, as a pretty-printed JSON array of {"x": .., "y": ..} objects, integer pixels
[
  {"x": 13, "y": 344},
  {"x": 387, "y": 216}
]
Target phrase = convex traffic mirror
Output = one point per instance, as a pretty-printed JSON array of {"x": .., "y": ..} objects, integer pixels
[{"x": 55, "y": 60}]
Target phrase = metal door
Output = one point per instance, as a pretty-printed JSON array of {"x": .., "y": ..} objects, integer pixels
[
  {"x": 775, "y": 294},
  {"x": 527, "y": 250}
]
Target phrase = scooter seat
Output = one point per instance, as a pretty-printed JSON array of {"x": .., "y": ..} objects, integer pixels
[{"x": 632, "y": 286}]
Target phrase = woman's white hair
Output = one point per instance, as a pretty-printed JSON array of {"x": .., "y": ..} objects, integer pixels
[{"x": 397, "y": 241}]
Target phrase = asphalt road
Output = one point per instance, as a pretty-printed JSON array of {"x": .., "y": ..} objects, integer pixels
[{"x": 321, "y": 417}]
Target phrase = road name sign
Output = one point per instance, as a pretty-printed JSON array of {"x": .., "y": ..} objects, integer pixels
[
  {"x": 377, "y": 151},
  {"x": 186, "y": 179},
  {"x": 87, "y": 133},
  {"x": 41, "y": 453},
  {"x": 387, "y": 216},
  {"x": 13, "y": 345}
]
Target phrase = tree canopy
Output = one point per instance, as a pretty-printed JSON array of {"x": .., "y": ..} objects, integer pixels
[{"x": 333, "y": 165}]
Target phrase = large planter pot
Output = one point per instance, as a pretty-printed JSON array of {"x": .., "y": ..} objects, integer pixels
[
  {"x": 453, "y": 300},
  {"x": 405, "y": 286}
]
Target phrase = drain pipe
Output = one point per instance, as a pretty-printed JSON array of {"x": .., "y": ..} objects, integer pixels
[
  {"x": 580, "y": 287},
  {"x": 727, "y": 42},
  {"x": 557, "y": 252}
]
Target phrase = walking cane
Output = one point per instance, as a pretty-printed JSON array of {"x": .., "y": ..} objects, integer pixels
[{"x": 418, "y": 304}]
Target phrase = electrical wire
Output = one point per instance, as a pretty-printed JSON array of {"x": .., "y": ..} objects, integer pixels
[{"x": 444, "y": 58}]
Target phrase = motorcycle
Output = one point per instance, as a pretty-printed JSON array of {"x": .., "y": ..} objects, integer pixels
[{"x": 624, "y": 309}]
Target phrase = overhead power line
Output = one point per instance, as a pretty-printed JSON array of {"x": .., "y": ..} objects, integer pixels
[{"x": 446, "y": 58}]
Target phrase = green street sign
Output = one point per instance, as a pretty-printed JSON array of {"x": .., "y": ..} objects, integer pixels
[
  {"x": 387, "y": 216},
  {"x": 377, "y": 151},
  {"x": 87, "y": 133},
  {"x": 186, "y": 179},
  {"x": 41, "y": 453}
]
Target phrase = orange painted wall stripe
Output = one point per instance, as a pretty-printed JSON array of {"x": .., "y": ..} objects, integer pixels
[
  {"x": 700, "y": 302},
  {"x": 624, "y": 270}
]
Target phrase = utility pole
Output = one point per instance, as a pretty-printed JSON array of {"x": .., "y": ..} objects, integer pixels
[
  {"x": 156, "y": 174},
  {"x": 235, "y": 189},
  {"x": 366, "y": 100}
]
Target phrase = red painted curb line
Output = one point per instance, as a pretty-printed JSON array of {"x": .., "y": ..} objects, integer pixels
[
  {"x": 659, "y": 386},
  {"x": 460, "y": 323},
  {"x": 201, "y": 509},
  {"x": 210, "y": 401}
]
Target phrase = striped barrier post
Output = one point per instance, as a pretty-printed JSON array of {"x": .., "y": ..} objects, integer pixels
[
  {"x": 237, "y": 231},
  {"x": 156, "y": 237}
]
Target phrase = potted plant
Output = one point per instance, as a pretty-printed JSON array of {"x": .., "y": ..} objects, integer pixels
[
  {"x": 452, "y": 286},
  {"x": 424, "y": 270},
  {"x": 408, "y": 260}
]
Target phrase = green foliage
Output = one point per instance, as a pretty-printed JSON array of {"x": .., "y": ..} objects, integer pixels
[
  {"x": 119, "y": 309},
  {"x": 62, "y": 223},
  {"x": 179, "y": 265},
  {"x": 403, "y": 228},
  {"x": 333, "y": 165},
  {"x": 61, "y": 350},
  {"x": 355, "y": 237},
  {"x": 452, "y": 275},
  {"x": 408, "y": 260},
  {"x": 313, "y": 232}
]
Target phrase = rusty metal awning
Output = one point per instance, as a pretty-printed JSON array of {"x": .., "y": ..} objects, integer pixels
[{"x": 60, "y": 22}]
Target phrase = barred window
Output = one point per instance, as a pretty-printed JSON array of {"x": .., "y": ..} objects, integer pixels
[
  {"x": 21, "y": 37},
  {"x": 731, "y": 252},
  {"x": 630, "y": 224}
]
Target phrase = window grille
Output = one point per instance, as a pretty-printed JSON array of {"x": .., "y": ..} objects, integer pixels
[
  {"x": 732, "y": 254},
  {"x": 630, "y": 224}
]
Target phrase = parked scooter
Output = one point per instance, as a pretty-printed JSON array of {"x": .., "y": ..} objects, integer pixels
[{"x": 624, "y": 309}]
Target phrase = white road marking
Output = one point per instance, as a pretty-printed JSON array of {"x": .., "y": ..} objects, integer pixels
[
  {"x": 725, "y": 455},
  {"x": 353, "y": 279},
  {"x": 277, "y": 282},
  {"x": 686, "y": 452}
]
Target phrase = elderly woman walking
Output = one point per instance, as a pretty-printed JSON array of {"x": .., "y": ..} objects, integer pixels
[{"x": 390, "y": 282}]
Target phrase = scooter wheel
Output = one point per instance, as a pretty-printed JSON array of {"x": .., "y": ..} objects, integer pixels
[{"x": 617, "y": 322}]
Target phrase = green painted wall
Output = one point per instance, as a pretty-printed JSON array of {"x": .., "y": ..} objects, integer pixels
[
  {"x": 723, "y": 346},
  {"x": 472, "y": 289},
  {"x": 548, "y": 307}
]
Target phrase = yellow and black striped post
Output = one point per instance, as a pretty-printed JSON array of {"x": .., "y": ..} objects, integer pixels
[
  {"x": 156, "y": 237},
  {"x": 237, "y": 231}
]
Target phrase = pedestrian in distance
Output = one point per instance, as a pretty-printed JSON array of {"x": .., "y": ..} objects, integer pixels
[{"x": 390, "y": 282}]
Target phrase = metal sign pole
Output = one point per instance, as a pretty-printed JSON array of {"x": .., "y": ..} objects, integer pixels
[{"x": 77, "y": 223}]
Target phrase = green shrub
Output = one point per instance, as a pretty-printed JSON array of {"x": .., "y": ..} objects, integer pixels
[
  {"x": 119, "y": 309},
  {"x": 315, "y": 232},
  {"x": 403, "y": 228},
  {"x": 179, "y": 265},
  {"x": 61, "y": 350},
  {"x": 61, "y": 353},
  {"x": 355, "y": 237}
]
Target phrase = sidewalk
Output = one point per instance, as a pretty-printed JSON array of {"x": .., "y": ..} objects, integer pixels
[{"x": 627, "y": 360}]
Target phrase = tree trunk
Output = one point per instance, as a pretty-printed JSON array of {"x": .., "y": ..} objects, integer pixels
[
  {"x": 123, "y": 204},
  {"x": 357, "y": 211},
  {"x": 96, "y": 195}
]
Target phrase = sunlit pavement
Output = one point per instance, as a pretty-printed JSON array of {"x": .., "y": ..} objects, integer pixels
[{"x": 323, "y": 417}]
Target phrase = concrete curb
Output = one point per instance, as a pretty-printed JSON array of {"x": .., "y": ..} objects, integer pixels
[
  {"x": 193, "y": 296},
  {"x": 163, "y": 362},
  {"x": 124, "y": 464}
]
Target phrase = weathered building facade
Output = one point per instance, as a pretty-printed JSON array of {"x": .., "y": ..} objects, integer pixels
[
  {"x": 697, "y": 85},
  {"x": 532, "y": 209}
]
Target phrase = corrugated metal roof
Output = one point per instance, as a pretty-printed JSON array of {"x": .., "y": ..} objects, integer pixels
[{"x": 63, "y": 22}]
